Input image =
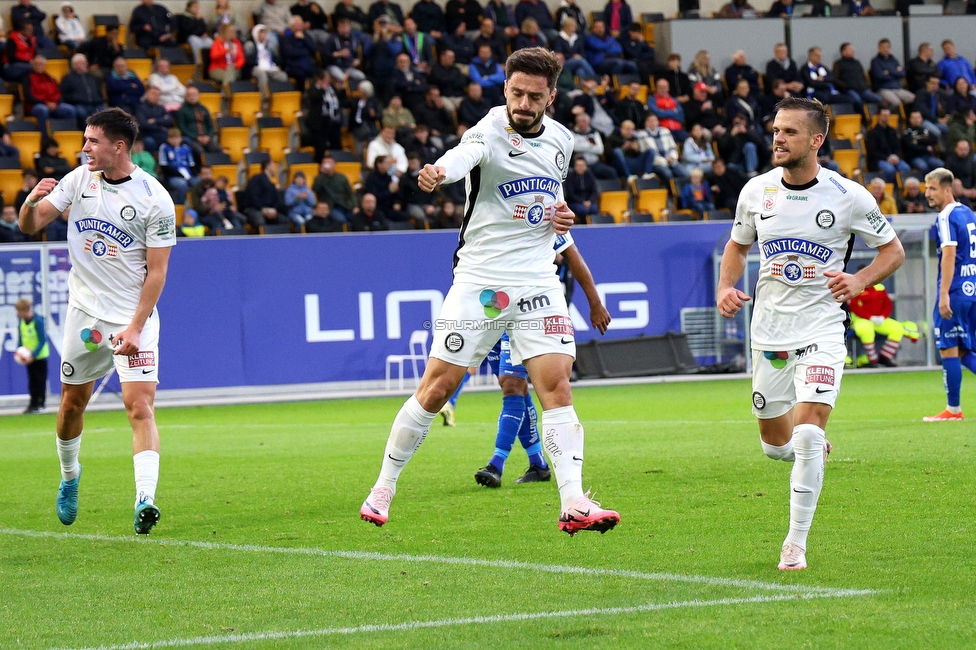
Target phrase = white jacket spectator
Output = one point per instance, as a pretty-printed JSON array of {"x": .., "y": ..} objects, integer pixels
[
  {"x": 70, "y": 30},
  {"x": 385, "y": 144},
  {"x": 172, "y": 92}
]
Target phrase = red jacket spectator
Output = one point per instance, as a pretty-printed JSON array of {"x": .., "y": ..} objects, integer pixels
[
  {"x": 218, "y": 54},
  {"x": 21, "y": 47},
  {"x": 666, "y": 105},
  {"x": 41, "y": 88}
]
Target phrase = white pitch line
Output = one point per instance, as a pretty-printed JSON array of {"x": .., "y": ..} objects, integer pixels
[
  {"x": 450, "y": 622},
  {"x": 437, "y": 559}
]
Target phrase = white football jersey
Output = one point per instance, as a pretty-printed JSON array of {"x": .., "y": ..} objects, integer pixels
[
  {"x": 803, "y": 231},
  {"x": 109, "y": 228},
  {"x": 512, "y": 184}
]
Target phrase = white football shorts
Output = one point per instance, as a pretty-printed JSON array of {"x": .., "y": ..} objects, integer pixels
[
  {"x": 86, "y": 350},
  {"x": 474, "y": 317},
  {"x": 781, "y": 379}
]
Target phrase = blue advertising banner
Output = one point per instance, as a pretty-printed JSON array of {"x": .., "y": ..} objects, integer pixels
[{"x": 281, "y": 310}]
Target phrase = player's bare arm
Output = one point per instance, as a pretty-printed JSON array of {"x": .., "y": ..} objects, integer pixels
[
  {"x": 948, "y": 273},
  {"x": 563, "y": 218},
  {"x": 33, "y": 219},
  {"x": 157, "y": 263},
  {"x": 728, "y": 299},
  {"x": 430, "y": 177},
  {"x": 844, "y": 286},
  {"x": 599, "y": 316}
]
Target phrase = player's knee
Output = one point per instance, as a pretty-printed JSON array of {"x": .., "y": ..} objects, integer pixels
[
  {"x": 559, "y": 393},
  {"x": 808, "y": 436},
  {"x": 512, "y": 386},
  {"x": 139, "y": 408},
  {"x": 72, "y": 405},
  {"x": 433, "y": 395}
]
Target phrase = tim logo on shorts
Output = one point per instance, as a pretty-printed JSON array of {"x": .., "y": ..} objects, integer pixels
[
  {"x": 142, "y": 359},
  {"x": 820, "y": 375}
]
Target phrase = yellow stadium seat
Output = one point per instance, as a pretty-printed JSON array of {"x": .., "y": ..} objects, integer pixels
[
  {"x": 311, "y": 170},
  {"x": 285, "y": 105},
  {"x": 142, "y": 67},
  {"x": 615, "y": 203},
  {"x": 234, "y": 140},
  {"x": 230, "y": 171},
  {"x": 70, "y": 143},
  {"x": 11, "y": 180},
  {"x": 274, "y": 140},
  {"x": 6, "y": 106},
  {"x": 849, "y": 162},
  {"x": 623, "y": 91},
  {"x": 57, "y": 68},
  {"x": 183, "y": 71},
  {"x": 653, "y": 201},
  {"x": 846, "y": 126},
  {"x": 247, "y": 105},
  {"x": 29, "y": 143},
  {"x": 352, "y": 171},
  {"x": 212, "y": 102}
]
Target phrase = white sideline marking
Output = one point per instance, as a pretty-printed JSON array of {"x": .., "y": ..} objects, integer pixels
[
  {"x": 436, "y": 559},
  {"x": 452, "y": 622}
]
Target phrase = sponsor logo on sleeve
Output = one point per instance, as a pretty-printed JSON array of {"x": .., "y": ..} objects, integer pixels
[
  {"x": 838, "y": 185},
  {"x": 145, "y": 184},
  {"x": 877, "y": 221},
  {"x": 560, "y": 159},
  {"x": 769, "y": 198},
  {"x": 824, "y": 375},
  {"x": 167, "y": 225},
  {"x": 559, "y": 325},
  {"x": 472, "y": 136},
  {"x": 143, "y": 359}
]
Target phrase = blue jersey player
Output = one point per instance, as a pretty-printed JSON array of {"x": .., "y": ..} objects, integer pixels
[
  {"x": 518, "y": 416},
  {"x": 954, "y": 315}
]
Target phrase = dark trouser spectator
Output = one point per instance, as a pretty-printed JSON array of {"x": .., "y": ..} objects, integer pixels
[
  {"x": 582, "y": 211},
  {"x": 37, "y": 383}
]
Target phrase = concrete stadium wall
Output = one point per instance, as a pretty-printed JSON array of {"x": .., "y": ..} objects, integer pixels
[{"x": 829, "y": 33}]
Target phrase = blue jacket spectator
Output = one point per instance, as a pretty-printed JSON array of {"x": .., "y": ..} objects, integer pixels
[
  {"x": 154, "y": 120},
  {"x": 887, "y": 76},
  {"x": 488, "y": 74},
  {"x": 952, "y": 67},
  {"x": 696, "y": 195},
  {"x": 297, "y": 52},
  {"x": 124, "y": 88},
  {"x": 604, "y": 52},
  {"x": 176, "y": 165},
  {"x": 300, "y": 200}
]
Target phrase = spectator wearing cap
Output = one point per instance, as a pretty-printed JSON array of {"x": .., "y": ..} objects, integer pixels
[{"x": 70, "y": 30}]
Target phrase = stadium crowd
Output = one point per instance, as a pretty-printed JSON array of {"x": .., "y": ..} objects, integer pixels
[{"x": 305, "y": 121}]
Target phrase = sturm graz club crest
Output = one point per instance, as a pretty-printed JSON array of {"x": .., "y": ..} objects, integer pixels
[
  {"x": 825, "y": 219},
  {"x": 758, "y": 400},
  {"x": 128, "y": 213},
  {"x": 560, "y": 160},
  {"x": 454, "y": 342},
  {"x": 67, "y": 369}
]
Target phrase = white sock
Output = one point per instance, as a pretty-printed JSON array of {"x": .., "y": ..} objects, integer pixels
[
  {"x": 562, "y": 438},
  {"x": 784, "y": 452},
  {"x": 68, "y": 455},
  {"x": 410, "y": 427},
  {"x": 146, "y": 465},
  {"x": 806, "y": 481}
]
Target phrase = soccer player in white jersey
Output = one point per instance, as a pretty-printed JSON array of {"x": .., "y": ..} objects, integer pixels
[
  {"x": 120, "y": 230},
  {"x": 514, "y": 162},
  {"x": 804, "y": 218}
]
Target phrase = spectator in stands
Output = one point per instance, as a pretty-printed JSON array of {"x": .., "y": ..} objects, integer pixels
[
  {"x": 928, "y": 101},
  {"x": 172, "y": 92},
  {"x": 668, "y": 110},
  {"x": 883, "y": 147},
  {"x": 275, "y": 16},
  {"x": 421, "y": 144},
  {"x": 572, "y": 45},
  {"x": 152, "y": 25},
  {"x": 358, "y": 19},
  {"x": 449, "y": 216},
  {"x": 604, "y": 52},
  {"x": 7, "y": 149},
  {"x": 886, "y": 203},
  {"x": 368, "y": 217},
  {"x": 25, "y": 11},
  {"x": 417, "y": 45},
  {"x": 226, "y": 56},
  {"x": 678, "y": 82},
  {"x": 196, "y": 124},
  {"x": 913, "y": 200},
  {"x": 419, "y": 205},
  {"x": 409, "y": 82},
  {"x": 961, "y": 194},
  {"x": 740, "y": 147},
  {"x": 446, "y": 77},
  {"x": 10, "y": 232},
  {"x": 626, "y": 155},
  {"x": 960, "y": 98},
  {"x": 30, "y": 181},
  {"x": 473, "y": 107},
  {"x": 696, "y": 195},
  {"x": 887, "y": 76},
  {"x": 780, "y": 9},
  {"x": 385, "y": 186},
  {"x": 20, "y": 50},
  {"x": 195, "y": 195},
  {"x": 458, "y": 42},
  {"x": 489, "y": 74},
  {"x": 190, "y": 225},
  {"x": 264, "y": 204},
  {"x": 385, "y": 144},
  {"x": 953, "y": 66},
  {"x": 334, "y": 189},
  {"x": 467, "y": 12},
  {"x": 299, "y": 199},
  {"x": 298, "y": 52},
  {"x": 588, "y": 142},
  {"x": 636, "y": 49},
  {"x": 540, "y": 11},
  {"x": 398, "y": 116},
  {"x": 323, "y": 119},
  {"x": 696, "y": 152},
  {"x": 504, "y": 22},
  {"x": 316, "y": 22},
  {"x": 321, "y": 220},
  {"x": 438, "y": 118},
  {"x": 618, "y": 17},
  {"x": 921, "y": 68},
  {"x": 701, "y": 110},
  {"x": 494, "y": 37},
  {"x": 962, "y": 126},
  {"x": 102, "y": 51},
  {"x": 142, "y": 158},
  {"x": 737, "y": 9},
  {"x": 225, "y": 207},
  {"x": 860, "y": 8},
  {"x": 918, "y": 145},
  {"x": 382, "y": 54},
  {"x": 123, "y": 86},
  {"x": 263, "y": 59},
  {"x": 223, "y": 14},
  {"x": 579, "y": 189},
  {"x": 725, "y": 184},
  {"x": 71, "y": 32},
  {"x": 176, "y": 165},
  {"x": 782, "y": 66},
  {"x": 742, "y": 70},
  {"x": 702, "y": 71},
  {"x": 666, "y": 161},
  {"x": 154, "y": 120},
  {"x": 364, "y": 113},
  {"x": 571, "y": 9},
  {"x": 820, "y": 83},
  {"x": 390, "y": 10},
  {"x": 851, "y": 79},
  {"x": 57, "y": 230},
  {"x": 49, "y": 162},
  {"x": 191, "y": 28},
  {"x": 42, "y": 96},
  {"x": 768, "y": 102},
  {"x": 82, "y": 90},
  {"x": 742, "y": 103},
  {"x": 343, "y": 50},
  {"x": 631, "y": 107},
  {"x": 960, "y": 162},
  {"x": 600, "y": 107}
]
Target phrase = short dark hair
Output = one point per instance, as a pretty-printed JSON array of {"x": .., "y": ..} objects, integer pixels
[
  {"x": 883, "y": 41},
  {"x": 816, "y": 112},
  {"x": 116, "y": 124},
  {"x": 535, "y": 61}
]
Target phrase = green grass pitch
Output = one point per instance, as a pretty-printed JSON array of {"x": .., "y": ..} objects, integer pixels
[{"x": 260, "y": 543}]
